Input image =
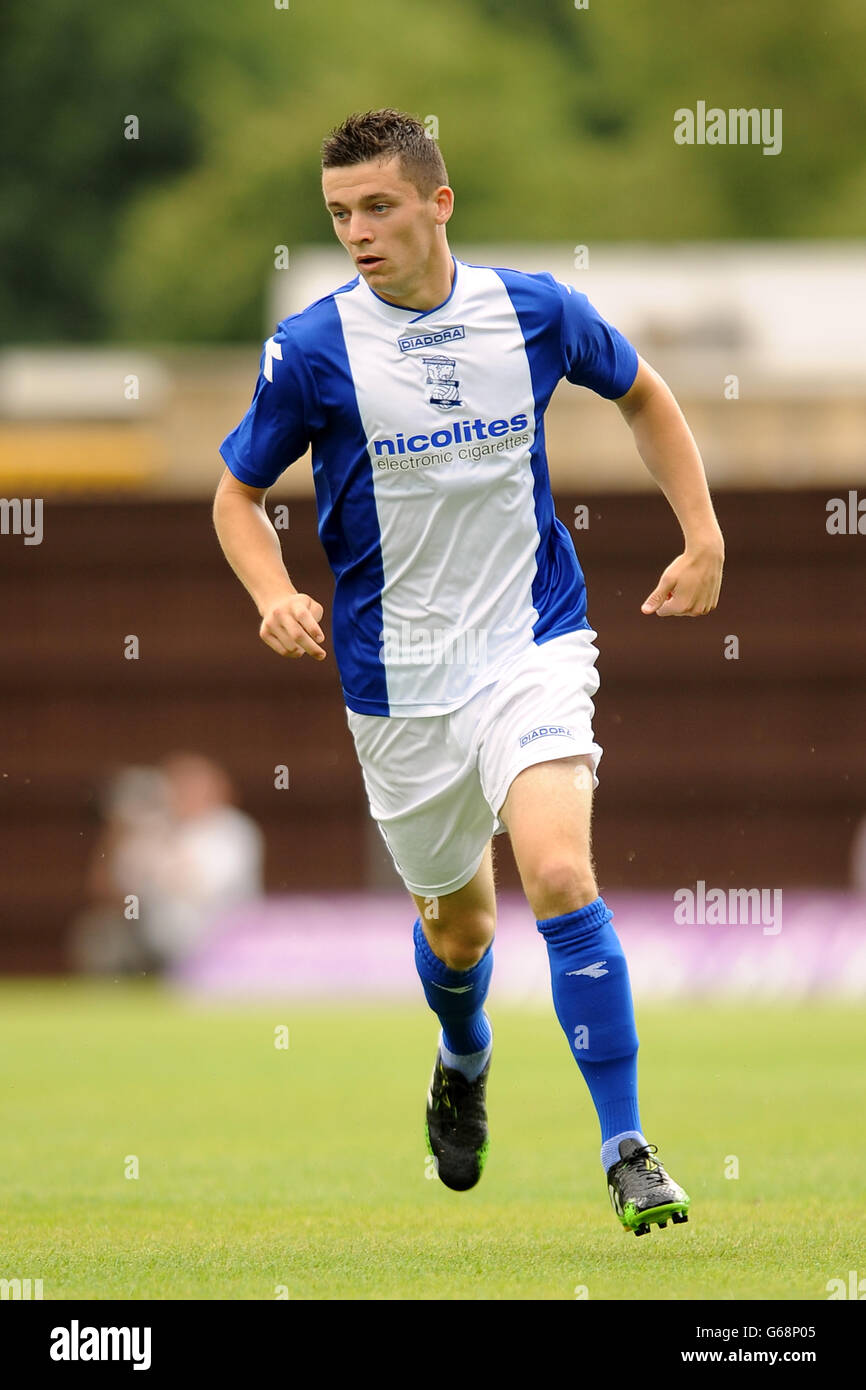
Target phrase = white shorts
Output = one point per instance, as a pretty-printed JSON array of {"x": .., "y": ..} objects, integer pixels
[{"x": 436, "y": 783}]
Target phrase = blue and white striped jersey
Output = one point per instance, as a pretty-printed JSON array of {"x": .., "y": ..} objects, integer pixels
[{"x": 432, "y": 488}]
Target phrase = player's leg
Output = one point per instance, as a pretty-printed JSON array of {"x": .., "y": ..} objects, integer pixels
[
  {"x": 459, "y": 926},
  {"x": 538, "y": 761},
  {"x": 426, "y": 797},
  {"x": 453, "y": 936},
  {"x": 548, "y": 814},
  {"x": 454, "y": 958}
]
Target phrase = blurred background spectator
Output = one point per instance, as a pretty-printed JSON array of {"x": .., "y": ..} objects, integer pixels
[{"x": 173, "y": 855}]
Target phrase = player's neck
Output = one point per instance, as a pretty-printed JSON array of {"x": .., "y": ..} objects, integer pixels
[{"x": 435, "y": 287}]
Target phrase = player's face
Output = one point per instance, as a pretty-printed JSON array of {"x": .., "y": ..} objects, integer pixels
[{"x": 387, "y": 228}]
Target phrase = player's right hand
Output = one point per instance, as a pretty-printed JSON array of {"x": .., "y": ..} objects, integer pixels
[{"x": 290, "y": 627}]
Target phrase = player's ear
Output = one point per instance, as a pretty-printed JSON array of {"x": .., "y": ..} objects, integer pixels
[{"x": 444, "y": 199}]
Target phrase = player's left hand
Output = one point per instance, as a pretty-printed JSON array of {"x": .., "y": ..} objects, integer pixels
[{"x": 689, "y": 587}]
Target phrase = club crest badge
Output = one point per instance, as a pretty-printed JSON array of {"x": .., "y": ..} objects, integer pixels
[{"x": 445, "y": 390}]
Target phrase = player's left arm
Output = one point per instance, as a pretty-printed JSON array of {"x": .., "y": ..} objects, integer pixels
[{"x": 690, "y": 585}]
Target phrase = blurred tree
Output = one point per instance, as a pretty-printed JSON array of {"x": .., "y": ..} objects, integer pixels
[
  {"x": 71, "y": 74},
  {"x": 556, "y": 124}
]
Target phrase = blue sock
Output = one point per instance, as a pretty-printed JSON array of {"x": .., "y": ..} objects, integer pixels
[
  {"x": 457, "y": 998},
  {"x": 592, "y": 999}
]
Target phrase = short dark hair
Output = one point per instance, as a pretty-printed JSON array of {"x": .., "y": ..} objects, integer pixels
[{"x": 383, "y": 135}]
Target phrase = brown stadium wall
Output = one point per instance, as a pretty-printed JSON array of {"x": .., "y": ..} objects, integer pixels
[{"x": 731, "y": 771}]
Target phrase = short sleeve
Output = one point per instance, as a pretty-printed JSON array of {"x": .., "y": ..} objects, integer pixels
[
  {"x": 595, "y": 354},
  {"x": 275, "y": 430}
]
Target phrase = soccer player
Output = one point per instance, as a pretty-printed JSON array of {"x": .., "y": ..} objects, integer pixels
[{"x": 460, "y": 630}]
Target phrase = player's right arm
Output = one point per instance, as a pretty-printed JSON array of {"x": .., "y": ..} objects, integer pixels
[
  {"x": 276, "y": 430},
  {"x": 290, "y": 620}
]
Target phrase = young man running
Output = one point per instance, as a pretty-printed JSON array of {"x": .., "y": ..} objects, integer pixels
[{"x": 466, "y": 658}]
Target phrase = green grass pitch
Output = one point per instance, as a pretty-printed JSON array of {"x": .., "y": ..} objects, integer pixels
[{"x": 300, "y": 1171}]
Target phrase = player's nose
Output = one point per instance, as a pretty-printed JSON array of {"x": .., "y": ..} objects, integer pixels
[{"x": 358, "y": 232}]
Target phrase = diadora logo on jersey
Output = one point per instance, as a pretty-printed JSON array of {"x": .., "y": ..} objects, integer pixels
[
  {"x": 594, "y": 971},
  {"x": 545, "y": 731},
  {"x": 428, "y": 340},
  {"x": 440, "y": 376}
]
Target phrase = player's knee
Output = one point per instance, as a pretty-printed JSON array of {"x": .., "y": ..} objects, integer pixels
[
  {"x": 460, "y": 941},
  {"x": 560, "y": 884}
]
